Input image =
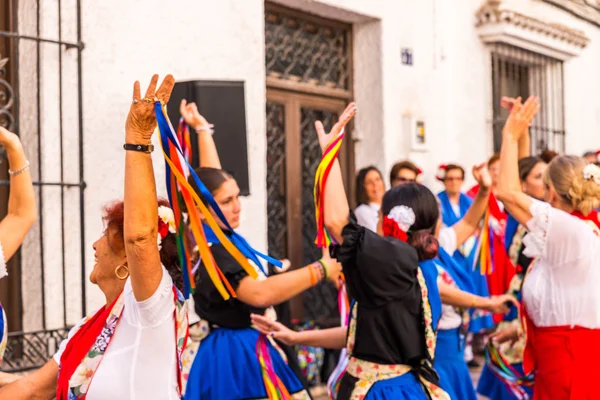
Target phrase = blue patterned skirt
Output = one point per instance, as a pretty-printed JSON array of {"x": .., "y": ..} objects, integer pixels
[
  {"x": 226, "y": 367},
  {"x": 451, "y": 367}
]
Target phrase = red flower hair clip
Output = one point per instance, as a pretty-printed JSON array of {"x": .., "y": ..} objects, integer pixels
[{"x": 398, "y": 222}]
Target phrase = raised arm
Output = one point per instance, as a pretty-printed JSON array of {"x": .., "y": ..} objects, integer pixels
[
  {"x": 21, "y": 203},
  {"x": 337, "y": 210},
  {"x": 509, "y": 190},
  {"x": 466, "y": 227},
  {"x": 141, "y": 205},
  {"x": 209, "y": 157},
  {"x": 525, "y": 140}
]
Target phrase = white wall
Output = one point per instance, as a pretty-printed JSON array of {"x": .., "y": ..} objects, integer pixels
[
  {"x": 191, "y": 39},
  {"x": 448, "y": 86}
]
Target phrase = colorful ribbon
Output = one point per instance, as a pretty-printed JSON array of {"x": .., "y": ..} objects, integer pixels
[
  {"x": 324, "y": 239},
  {"x": 333, "y": 383},
  {"x": 183, "y": 198},
  {"x": 512, "y": 379},
  {"x": 183, "y": 135},
  {"x": 275, "y": 388},
  {"x": 484, "y": 248}
]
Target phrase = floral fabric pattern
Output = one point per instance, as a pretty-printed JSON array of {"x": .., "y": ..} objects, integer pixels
[
  {"x": 82, "y": 377},
  {"x": 4, "y": 334}
]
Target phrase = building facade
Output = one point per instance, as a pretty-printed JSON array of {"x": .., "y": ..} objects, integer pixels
[{"x": 427, "y": 77}]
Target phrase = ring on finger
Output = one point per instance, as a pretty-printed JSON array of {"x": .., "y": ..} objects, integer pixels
[
  {"x": 135, "y": 101},
  {"x": 148, "y": 100}
]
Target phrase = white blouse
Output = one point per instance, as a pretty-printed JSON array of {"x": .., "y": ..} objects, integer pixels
[
  {"x": 450, "y": 319},
  {"x": 3, "y": 270},
  {"x": 367, "y": 215},
  {"x": 562, "y": 287},
  {"x": 141, "y": 360}
]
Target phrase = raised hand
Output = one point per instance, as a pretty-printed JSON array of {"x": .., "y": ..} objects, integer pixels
[
  {"x": 509, "y": 102},
  {"x": 326, "y": 138},
  {"x": 482, "y": 175},
  {"x": 192, "y": 116},
  {"x": 9, "y": 140},
  {"x": 520, "y": 117},
  {"x": 275, "y": 329},
  {"x": 141, "y": 120}
]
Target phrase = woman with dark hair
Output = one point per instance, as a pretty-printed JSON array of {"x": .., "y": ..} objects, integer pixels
[
  {"x": 21, "y": 213},
  {"x": 394, "y": 281},
  {"x": 131, "y": 347},
  {"x": 369, "y": 192},
  {"x": 531, "y": 175},
  {"x": 226, "y": 345}
]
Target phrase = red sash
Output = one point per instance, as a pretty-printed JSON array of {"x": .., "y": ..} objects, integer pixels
[{"x": 78, "y": 347}]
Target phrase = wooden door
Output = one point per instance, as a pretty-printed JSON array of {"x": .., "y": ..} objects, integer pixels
[{"x": 293, "y": 154}]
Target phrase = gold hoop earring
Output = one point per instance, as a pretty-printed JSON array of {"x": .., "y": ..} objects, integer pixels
[{"x": 122, "y": 277}]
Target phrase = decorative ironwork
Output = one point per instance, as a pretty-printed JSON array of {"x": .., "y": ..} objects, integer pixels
[
  {"x": 517, "y": 72},
  {"x": 320, "y": 302},
  {"x": 276, "y": 188},
  {"x": 31, "y": 350},
  {"x": 6, "y": 97},
  {"x": 300, "y": 50},
  {"x": 28, "y": 350}
]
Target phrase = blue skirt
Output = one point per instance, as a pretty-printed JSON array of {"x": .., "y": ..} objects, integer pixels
[
  {"x": 402, "y": 387},
  {"x": 226, "y": 367},
  {"x": 490, "y": 386},
  {"x": 405, "y": 387},
  {"x": 451, "y": 367}
]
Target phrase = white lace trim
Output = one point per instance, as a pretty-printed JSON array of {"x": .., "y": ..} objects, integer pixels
[
  {"x": 3, "y": 271},
  {"x": 535, "y": 241}
]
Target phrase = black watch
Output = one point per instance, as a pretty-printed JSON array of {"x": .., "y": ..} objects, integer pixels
[{"x": 142, "y": 148}]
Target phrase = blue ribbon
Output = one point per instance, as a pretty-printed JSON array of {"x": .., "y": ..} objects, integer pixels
[{"x": 236, "y": 239}]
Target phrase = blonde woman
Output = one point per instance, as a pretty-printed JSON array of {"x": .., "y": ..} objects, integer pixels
[{"x": 560, "y": 292}]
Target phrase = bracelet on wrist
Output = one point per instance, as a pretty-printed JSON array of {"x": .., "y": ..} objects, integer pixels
[
  {"x": 20, "y": 170},
  {"x": 141, "y": 148},
  {"x": 325, "y": 271},
  {"x": 205, "y": 128}
]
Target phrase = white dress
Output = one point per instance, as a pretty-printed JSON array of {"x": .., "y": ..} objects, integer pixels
[
  {"x": 367, "y": 215},
  {"x": 562, "y": 288},
  {"x": 141, "y": 359}
]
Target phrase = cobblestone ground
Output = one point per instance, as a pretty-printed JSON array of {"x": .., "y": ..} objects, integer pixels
[{"x": 320, "y": 392}]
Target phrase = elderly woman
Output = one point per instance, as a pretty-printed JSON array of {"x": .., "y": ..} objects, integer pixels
[
  {"x": 21, "y": 212},
  {"x": 130, "y": 348}
]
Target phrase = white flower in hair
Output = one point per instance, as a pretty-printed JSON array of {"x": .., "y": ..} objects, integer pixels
[
  {"x": 592, "y": 171},
  {"x": 168, "y": 217},
  {"x": 404, "y": 217}
]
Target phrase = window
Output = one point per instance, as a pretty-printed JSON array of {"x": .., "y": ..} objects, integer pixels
[{"x": 517, "y": 72}]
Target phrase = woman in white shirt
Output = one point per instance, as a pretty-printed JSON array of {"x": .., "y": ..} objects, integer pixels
[
  {"x": 21, "y": 213},
  {"x": 369, "y": 193},
  {"x": 130, "y": 349},
  {"x": 560, "y": 292}
]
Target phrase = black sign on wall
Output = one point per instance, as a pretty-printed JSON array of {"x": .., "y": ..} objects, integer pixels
[{"x": 222, "y": 103}]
